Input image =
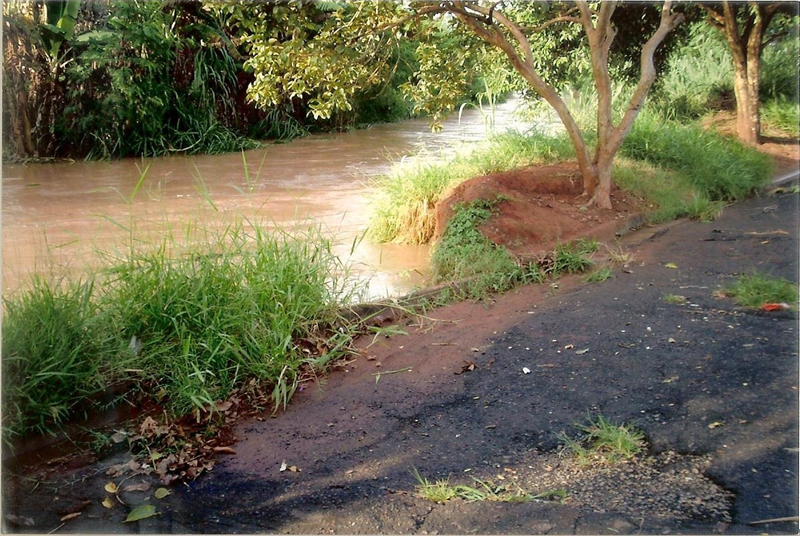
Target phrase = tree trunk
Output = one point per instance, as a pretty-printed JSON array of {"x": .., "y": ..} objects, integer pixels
[
  {"x": 745, "y": 43},
  {"x": 602, "y": 195},
  {"x": 748, "y": 123}
]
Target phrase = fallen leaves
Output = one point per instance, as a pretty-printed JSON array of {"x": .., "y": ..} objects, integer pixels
[
  {"x": 290, "y": 468},
  {"x": 143, "y": 486},
  {"x": 142, "y": 511},
  {"x": 467, "y": 366},
  {"x": 671, "y": 265}
]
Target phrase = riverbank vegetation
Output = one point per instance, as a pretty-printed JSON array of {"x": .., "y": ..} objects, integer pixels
[
  {"x": 111, "y": 78},
  {"x": 181, "y": 326}
]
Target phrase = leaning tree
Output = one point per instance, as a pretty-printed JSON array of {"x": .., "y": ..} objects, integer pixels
[{"x": 329, "y": 56}]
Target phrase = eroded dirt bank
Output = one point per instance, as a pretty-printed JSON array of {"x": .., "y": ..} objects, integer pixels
[{"x": 713, "y": 386}]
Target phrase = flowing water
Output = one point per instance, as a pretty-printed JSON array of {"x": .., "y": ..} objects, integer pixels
[{"x": 60, "y": 216}]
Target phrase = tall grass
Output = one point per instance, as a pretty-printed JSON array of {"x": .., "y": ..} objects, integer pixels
[
  {"x": 717, "y": 167},
  {"x": 696, "y": 74},
  {"x": 782, "y": 114},
  {"x": 407, "y": 195},
  {"x": 232, "y": 307},
  {"x": 186, "y": 324},
  {"x": 54, "y": 354}
]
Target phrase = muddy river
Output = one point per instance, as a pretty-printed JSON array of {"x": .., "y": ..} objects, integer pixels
[{"x": 64, "y": 217}]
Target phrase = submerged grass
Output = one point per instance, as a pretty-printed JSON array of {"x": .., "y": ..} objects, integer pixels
[{"x": 184, "y": 325}]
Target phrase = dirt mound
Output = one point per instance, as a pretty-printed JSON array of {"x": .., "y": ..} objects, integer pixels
[{"x": 542, "y": 206}]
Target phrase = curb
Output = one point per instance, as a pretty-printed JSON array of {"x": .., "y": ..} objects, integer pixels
[{"x": 786, "y": 178}]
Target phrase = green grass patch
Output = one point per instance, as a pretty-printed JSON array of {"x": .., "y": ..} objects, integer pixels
[
  {"x": 604, "y": 442},
  {"x": 464, "y": 254},
  {"x": 407, "y": 196},
  {"x": 755, "y": 290},
  {"x": 572, "y": 258},
  {"x": 709, "y": 164},
  {"x": 781, "y": 114},
  {"x": 442, "y": 491},
  {"x": 599, "y": 275},
  {"x": 184, "y": 324},
  {"x": 674, "y": 299},
  {"x": 57, "y": 354}
]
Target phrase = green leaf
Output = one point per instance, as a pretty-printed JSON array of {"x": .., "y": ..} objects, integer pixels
[
  {"x": 161, "y": 493},
  {"x": 143, "y": 511}
]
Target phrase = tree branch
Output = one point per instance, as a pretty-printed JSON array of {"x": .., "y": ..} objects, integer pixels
[
  {"x": 648, "y": 75},
  {"x": 716, "y": 18}
]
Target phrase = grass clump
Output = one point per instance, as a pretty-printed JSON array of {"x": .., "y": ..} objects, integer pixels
[
  {"x": 605, "y": 442},
  {"x": 464, "y": 254},
  {"x": 407, "y": 195},
  {"x": 572, "y": 258},
  {"x": 755, "y": 290},
  {"x": 674, "y": 299},
  {"x": 442, "y": 491},
  {"x": 239, "y": 305},
  {"x": 54, "y": 354},
  {"x": 599, "y": 275}
]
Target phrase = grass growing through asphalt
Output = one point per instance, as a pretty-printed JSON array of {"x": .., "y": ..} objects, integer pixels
[
  {"x": 674, "y": 299},
  {"x": 442, "y": 491},
  {"x": 605, "y": 442},
  {"x": 185, "y": 325},
  {"x": 755, "y": 290}
]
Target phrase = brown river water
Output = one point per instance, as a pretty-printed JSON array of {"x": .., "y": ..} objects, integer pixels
[{"x": 63, "y": 217}]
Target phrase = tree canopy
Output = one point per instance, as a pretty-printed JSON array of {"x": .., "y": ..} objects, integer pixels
[{"x": 330, "y": 53}]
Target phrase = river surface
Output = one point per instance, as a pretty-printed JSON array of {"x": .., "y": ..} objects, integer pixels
[{"x": 63, "y": 217}]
